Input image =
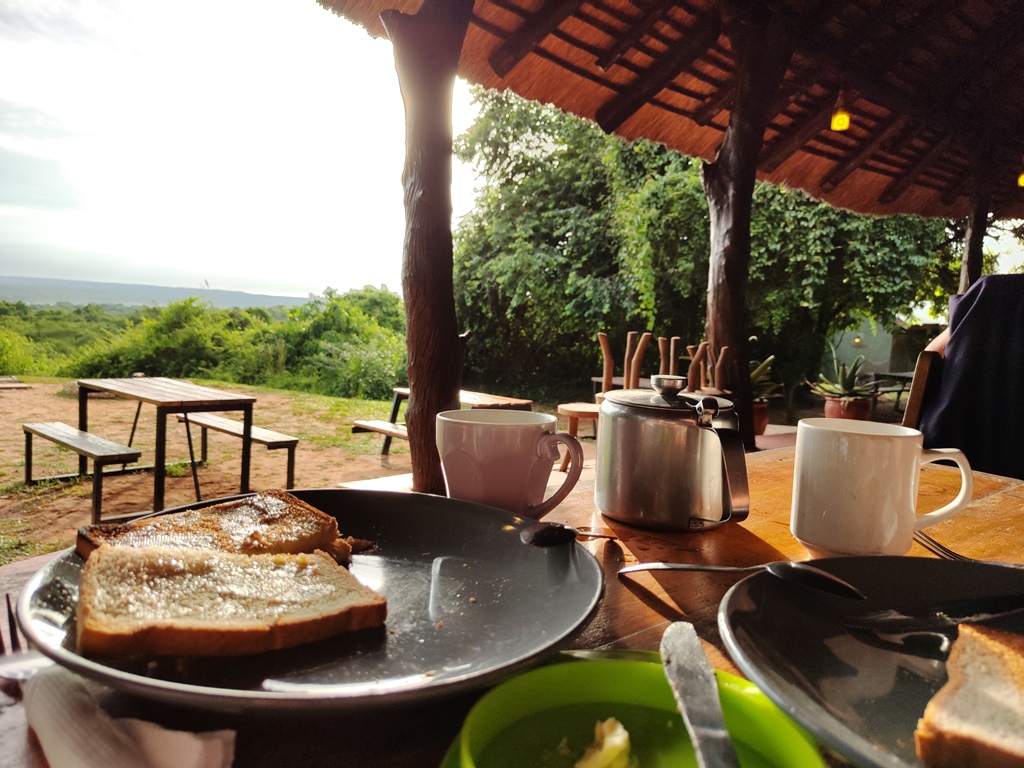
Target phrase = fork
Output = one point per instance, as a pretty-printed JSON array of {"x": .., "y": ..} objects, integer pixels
[
  {"x": 946, "y": 553},
  {"x": 16, "y": 664},
  {"x": 12, "y": 630}
]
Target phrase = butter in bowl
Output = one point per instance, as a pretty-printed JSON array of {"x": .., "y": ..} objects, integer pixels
[{"x": 546, "y": 717}]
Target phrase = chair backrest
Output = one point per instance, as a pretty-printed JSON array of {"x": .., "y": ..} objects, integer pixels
[
  {"x": 927, "y": 373},
  {"x": 636, "y": 345},
  {"x": 974, "y": 400}
]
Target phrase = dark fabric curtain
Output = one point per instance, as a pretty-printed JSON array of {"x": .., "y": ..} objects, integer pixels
[{"x": 979, "y": 405}]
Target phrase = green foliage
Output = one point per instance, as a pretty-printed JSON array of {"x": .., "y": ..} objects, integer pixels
[
  {"x": 17, "y": 355},
  {"x": 536, "y": 274},
  {"x": 818, "y": 270},
  {"x": 330, "y": 345},
  {"x": 762, "y": 387},
  {"x": 382, "y": 305},
  {"x": 576, "y": 232}
]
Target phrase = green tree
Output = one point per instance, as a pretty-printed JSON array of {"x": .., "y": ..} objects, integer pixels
[
  {"x": 818, "y": 270},
  {"x": 536, "y": 271},
  {"x": 575, "y": 231}
]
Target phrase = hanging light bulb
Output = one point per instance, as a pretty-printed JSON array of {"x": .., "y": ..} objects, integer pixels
[
  {"x": 1020, "y": 179},
  {"x": 840, "y": 115}
]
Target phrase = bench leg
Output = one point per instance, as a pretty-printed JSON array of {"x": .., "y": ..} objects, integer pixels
[
  {"x": 28, "y": 458},
  {"x": 396, "y": 405},
  {"x": 291, "y": 468},
  {"x": 97, "y": 491},
  {"x": 192, "y": 456}
]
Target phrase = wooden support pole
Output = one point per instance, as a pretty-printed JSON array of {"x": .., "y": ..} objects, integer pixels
[
  {"x": 762, "y": 56},
  {"x": 974, "y": 241},
  {"x": 427, "y": 47}
]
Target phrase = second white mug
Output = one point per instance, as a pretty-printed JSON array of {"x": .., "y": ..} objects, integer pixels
[{"x": 855, "y": 487}]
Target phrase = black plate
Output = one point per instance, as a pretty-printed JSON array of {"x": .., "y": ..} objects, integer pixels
[
  {"x": 468, "y": 604},
  {"x": 861, "y": 692}
]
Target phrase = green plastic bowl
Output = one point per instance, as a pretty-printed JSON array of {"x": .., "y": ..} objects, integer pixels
[{"x": 545, "y": 718}]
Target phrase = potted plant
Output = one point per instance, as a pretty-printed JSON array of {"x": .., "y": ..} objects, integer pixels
[
  {"x": 844, "y": 397},
  {"x": 762, "y": 388}
]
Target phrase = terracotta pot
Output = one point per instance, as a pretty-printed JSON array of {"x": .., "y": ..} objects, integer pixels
[
  {"x": 848, "y": 408},
  {"x": 760, "y": 416}
]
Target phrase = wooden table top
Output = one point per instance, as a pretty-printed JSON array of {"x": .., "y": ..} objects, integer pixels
[
  {"x": 167, "y": 393},
  {"x": 633, "y": 614},
  {"x": 481, "y": 399}
]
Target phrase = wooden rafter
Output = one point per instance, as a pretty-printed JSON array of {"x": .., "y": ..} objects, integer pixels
[
  {"x": 626, "y": 103},
  {"x": 538, "y": 26},
  {"x": 901, "y": 184},
  {"x": 812, "y": 124},
  {"x": 634, "y": 34},
  {"x": 863, "y": 153},
  {"x": 715, "y": 103}
]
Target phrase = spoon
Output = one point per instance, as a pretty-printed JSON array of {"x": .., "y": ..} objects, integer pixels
[
  {"x": 553, "y": 534},
  {"x": 788, "y": 570}
]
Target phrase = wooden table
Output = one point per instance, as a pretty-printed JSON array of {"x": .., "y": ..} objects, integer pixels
[
  {"x": 633, "y": 614},
  {"x": 392, "y": 428},
  {"x": 169, "y": 396}
]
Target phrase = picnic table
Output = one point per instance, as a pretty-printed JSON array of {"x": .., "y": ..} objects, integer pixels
[
  {"x": 392, "y": 428},
  {"x": 170, "y": 396}
]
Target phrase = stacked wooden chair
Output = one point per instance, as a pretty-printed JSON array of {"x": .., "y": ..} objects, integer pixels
[{"x": 636, "y": 346}]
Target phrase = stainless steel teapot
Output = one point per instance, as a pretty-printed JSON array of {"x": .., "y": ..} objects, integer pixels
[{"x": 672, "y": 460}]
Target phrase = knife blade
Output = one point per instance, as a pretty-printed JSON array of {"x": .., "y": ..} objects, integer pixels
[{"x": 695, "y": 689}]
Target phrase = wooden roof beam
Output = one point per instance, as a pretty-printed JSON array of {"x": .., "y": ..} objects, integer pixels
[
  {"x": 715, "y": 102},
  {"x": 633, "y": 35},
  {"x": 628, "y": 101},
  {"x": 866, "y": 150},
  {"x": 528, "y": 36},
  {"x": 900, "y": 185},
  {"x": 814, "y": 123}
]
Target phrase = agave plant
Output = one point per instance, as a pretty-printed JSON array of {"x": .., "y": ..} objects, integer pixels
[
  {"x": 845, "y": 384},
  {"x": 761, "y": 385}
]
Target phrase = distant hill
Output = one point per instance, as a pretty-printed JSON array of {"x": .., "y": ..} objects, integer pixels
[{"x": 40, "y": 290}]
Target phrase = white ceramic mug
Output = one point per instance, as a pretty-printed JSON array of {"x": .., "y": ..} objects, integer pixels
[
  {"x": 855, "y": 487},
  {"x": 503, "y": 458}
]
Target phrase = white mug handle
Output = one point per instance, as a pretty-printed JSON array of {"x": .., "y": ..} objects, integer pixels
[
  {"x": 966, "y": 485},
  {"x": 547, "y": 445}
]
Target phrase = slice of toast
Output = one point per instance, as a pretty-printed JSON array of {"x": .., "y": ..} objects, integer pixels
[
  {"x": 270, "y": 522},
  {"x": 165, "y": 601},
  {"x": 977, "y": 717}
]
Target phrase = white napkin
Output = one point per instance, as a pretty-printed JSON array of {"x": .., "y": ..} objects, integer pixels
[{"x": 75, "y": 732}]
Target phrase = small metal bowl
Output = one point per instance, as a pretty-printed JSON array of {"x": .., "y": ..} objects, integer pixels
[{"x": 668, "y": 386}]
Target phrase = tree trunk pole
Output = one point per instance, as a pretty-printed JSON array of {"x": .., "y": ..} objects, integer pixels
[
  {"x": 977, "y": 224},
  {"x": 762, "y": 55},
  {"x": 427, "y": 46}
]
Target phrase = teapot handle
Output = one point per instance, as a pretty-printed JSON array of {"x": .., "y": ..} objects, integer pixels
[{"x": 735, "y": 465}]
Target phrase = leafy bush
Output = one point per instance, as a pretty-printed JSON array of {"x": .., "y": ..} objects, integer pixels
[
  {"x": 328, "y": 345},
  {"x": 17, "y": 354}
]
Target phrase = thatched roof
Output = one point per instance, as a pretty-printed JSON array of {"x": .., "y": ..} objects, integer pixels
[{"x": 930, "y": 84}]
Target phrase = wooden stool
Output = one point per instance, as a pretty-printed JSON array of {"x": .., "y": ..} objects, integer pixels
[{"x": 575, "y": 412}]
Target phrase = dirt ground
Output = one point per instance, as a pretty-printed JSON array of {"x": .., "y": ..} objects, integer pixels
[{"x": 327, "y": 455}]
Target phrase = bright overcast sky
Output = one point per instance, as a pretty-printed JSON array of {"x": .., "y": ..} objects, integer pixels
[{"x": 254, "y": 146}]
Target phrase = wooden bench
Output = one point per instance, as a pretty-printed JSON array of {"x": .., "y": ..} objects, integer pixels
[
  {"x": 99, "y": 449},
  {"x": 393, "y": 428},
  {"x": 272, "y": 440},
  {"x": 389, "y": 429}
]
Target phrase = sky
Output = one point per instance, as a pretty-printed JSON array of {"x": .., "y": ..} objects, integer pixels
[{"x": 254, "y": 146}]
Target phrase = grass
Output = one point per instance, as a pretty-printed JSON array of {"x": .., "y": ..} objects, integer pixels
[{"x": 14, "y": 544}]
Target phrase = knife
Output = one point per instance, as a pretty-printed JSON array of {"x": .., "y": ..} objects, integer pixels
[{"x": 695, "y": 688}]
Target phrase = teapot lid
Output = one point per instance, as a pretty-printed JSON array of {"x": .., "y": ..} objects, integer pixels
[{"x": 683, "y": 402}]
